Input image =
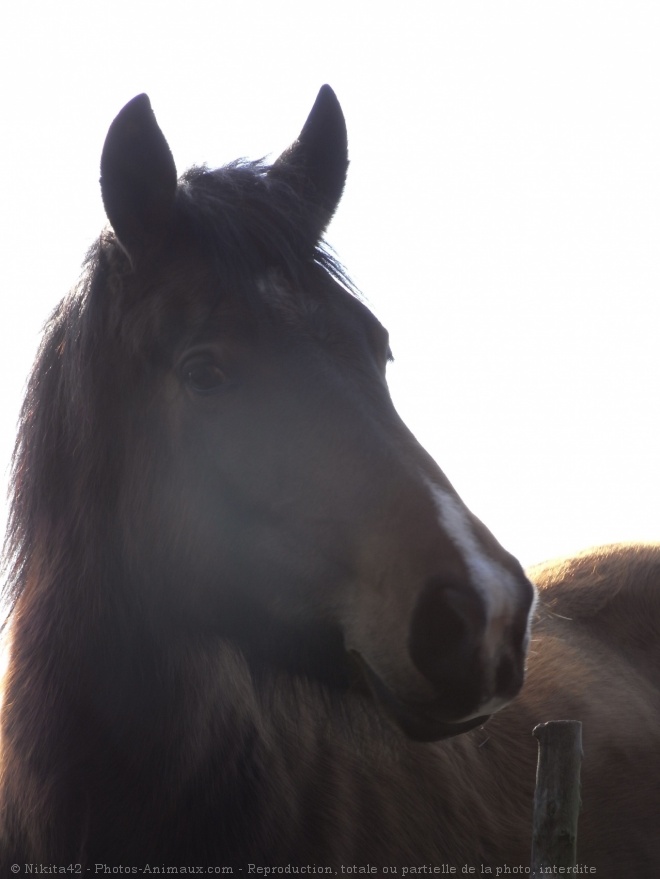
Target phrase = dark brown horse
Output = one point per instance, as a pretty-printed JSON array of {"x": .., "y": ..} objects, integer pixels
[{"x": 253, "y": 625}]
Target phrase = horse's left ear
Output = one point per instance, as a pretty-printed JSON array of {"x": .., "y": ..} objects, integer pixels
[
  {"x": 316, "y": 163},
  {"x": 138, "y": 179}
]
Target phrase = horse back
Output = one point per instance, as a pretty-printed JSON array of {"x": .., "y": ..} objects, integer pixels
[{"x": 609, "y": 595}]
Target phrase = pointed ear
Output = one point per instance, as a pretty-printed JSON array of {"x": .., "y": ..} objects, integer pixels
[
  {"x": 316, "y": 163},
  {"x": 138, "y": 179}
]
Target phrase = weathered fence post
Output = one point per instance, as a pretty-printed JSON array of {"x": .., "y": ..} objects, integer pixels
[{"x": 557, "y": 795}]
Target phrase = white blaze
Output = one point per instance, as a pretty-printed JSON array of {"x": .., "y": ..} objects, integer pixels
[{"x": 497, "y": 586}]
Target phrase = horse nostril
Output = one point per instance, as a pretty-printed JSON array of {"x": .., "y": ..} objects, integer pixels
[
  {"x": 448, "y": 617},
  {"x": 446, "y": 633}
]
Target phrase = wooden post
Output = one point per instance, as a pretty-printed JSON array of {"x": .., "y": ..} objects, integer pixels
[{"x": 557, "y": 795}]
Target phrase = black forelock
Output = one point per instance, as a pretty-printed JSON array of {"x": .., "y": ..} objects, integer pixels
[{"x": 252, "y": 221}]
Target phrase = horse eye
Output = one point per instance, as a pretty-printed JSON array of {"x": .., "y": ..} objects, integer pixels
[{"x": 204, "y": 377}]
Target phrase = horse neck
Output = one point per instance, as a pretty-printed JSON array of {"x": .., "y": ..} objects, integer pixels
[{"x": 100, "y": 704}]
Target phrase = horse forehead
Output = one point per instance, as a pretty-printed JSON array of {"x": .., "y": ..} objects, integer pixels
[{"x": 284, "y": 299}]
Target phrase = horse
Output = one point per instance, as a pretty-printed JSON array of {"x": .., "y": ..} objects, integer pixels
[{"x": 253, "y": 627}]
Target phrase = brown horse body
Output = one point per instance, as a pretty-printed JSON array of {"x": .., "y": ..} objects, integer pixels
[
  {"x": 253, "y": 625},
  {"x": 595, "y": 657},
  {"x": 308, "y": 781}
]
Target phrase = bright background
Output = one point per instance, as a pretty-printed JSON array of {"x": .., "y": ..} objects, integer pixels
[{"x": 502, "y": 214}]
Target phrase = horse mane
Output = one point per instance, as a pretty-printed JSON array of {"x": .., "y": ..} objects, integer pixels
[{"x": 246, "y": 221}]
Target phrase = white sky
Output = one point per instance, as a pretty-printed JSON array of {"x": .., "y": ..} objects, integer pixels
[{"x": 502, "y": 213}]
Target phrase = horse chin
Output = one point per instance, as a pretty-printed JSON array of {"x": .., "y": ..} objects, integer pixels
[{"x": 419, "y": 721}]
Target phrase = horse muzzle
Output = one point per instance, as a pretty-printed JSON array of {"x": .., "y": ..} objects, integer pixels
[{"x": 464, "y": 658}]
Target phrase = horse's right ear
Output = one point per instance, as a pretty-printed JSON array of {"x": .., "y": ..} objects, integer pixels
[{"x": 138, "y": 179}]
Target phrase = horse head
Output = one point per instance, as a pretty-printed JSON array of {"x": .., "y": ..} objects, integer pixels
[{"x": 258, "y": 484}]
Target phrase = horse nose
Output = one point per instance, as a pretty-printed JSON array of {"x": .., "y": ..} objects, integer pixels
[{"x": 471, "y": 650}]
